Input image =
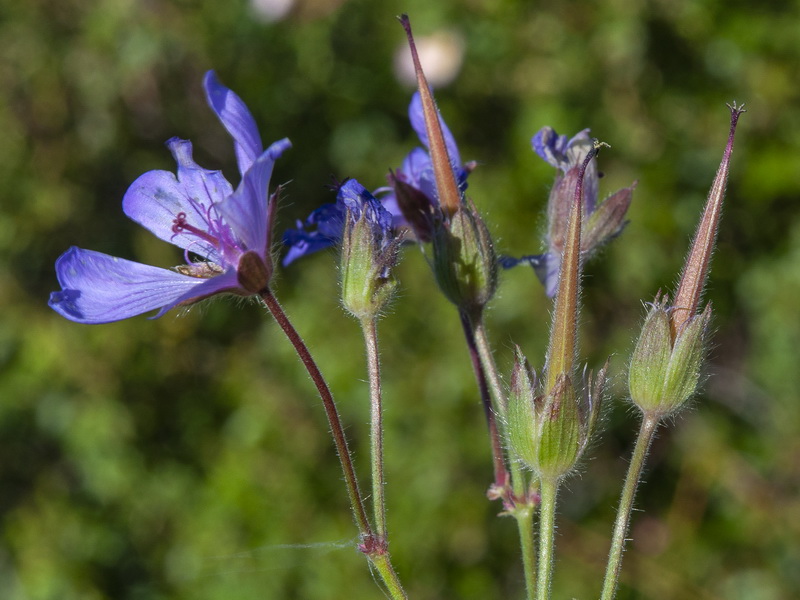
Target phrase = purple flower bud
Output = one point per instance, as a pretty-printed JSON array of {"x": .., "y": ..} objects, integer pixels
[{"x": 369, "y": 252}]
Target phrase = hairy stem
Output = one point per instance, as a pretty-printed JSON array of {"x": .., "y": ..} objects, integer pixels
[
  {"x": 487, "y": 357},
  {"x": 337, "y": 431},
  {"x": 524, "y": 516},
  {"x": 522, "y": 504},
  {"x": 646, "y": 433},
  {"x": 385, "y": 569},
  {"x": 500, "y": 472},
  {"x": 376, "y": 426},
  {"x": 373, "y": 546},
  {"x": 547, "y": 527}
]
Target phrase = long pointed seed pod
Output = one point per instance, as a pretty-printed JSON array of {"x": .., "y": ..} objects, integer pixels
[
  {"x": 698, "y": 261},
  {"x": 446, "y": 186},
  {"x": 561, "y": 353}
]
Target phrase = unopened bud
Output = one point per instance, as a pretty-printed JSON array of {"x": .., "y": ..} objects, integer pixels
[
  {"x": 464, "y": 261},
  {"x": 369, "y": 252},
  {"x": 560, "y": 438},
  {"x": 664, "y": 373}
]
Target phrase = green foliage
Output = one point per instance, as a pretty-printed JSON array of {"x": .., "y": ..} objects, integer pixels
[{"x": 189, "y": 457}]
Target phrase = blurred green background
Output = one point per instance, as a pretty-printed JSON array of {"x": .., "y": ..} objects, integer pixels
[{"x": 188, "y": 457}]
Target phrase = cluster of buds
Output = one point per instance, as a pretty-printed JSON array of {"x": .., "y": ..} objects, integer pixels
[
  {"x": 548, "y": 430},
  {"x": 550, "y": 424}
]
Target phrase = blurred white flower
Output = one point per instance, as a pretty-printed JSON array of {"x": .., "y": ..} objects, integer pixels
[
  {"x": 271, "y": 10},
  {"x": 441, "y": 55}
]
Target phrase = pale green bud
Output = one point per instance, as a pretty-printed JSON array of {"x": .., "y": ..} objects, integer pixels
[
  {"x": 664, "y": 373},
  {"x": 366, "y": 266},
  {"x": 464, "y": 260},
  {"x": 560, "y": 434}
]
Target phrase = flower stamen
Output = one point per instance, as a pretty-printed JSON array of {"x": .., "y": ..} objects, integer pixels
[{"x": 180, "y": 225}]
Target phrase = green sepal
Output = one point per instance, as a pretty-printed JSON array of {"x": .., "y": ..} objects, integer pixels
[
  {"x": 560, "y": 431},
  {"x": 521, "y": 424},
  {"x": 464, "y": 260},
  {"x": 686, "y": 362},
  {"x": 651, "y": 358}
]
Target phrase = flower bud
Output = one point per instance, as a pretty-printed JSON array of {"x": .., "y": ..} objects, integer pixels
[
  {"x": 369, "y": 252},
  {"x": 464, "y": 260},
  {"x": 664, "y": 373}
]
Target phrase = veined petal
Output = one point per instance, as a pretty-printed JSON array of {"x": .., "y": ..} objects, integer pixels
[
  {"x": 417, "y": 118},
  {"x": 237, "y": 119},
  {"x": 357, "y": 198},
  {"x": 551, "y": 147},
  {"x": 225, "y": 282},
  {"x": 98, "y": 288},
  {"x": 560, "y": 152},
  {"x": 245, "y": 211},
  {"x": 156, "y": 199}
]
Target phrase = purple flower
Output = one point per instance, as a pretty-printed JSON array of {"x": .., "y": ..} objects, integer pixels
[
  {"x": 324, "y": 227},
  {"x": 602, "y": 221},
  {"x": 357, "y": 203},
  {"x": 225, "y": 233},
  {"x": 410, "y": 199}
]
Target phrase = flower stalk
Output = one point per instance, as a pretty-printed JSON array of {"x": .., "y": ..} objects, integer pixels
[
  {"x": 547, "y": 527},
  {"x": 373, "y": 543},
  {"x": 370, "y": 330},
  {"x": 501, "y": 476},
  {"x": 335, "y": 422},
  {"x": 640, "y": 450},
  {"x": 548, "y": 424}
]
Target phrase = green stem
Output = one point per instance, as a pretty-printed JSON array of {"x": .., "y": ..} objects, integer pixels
[
  {"x": 337, "y": 431},
  {"x": 487, "y": 358},
  {"x": 524, "y": 516},
  {"x": 499, "y": 401},
  {"x": 547, "y": 526},
  {"x": 385, "y": 569},
  {"x": 370, "y": 330},
  {"x": 646, "y": 432}
]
